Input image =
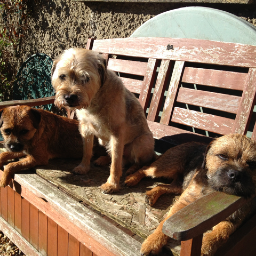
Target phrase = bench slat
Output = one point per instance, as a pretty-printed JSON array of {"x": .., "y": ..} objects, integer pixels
[
  {"x": 148, "y": 83},
  {"x": 222, "y": 102},
  {"x": 172, "y": 91},
  {"x": 216, "y": 78},
  {"x": 128, "y": 67},
  {"x": 31, "y": 102},
  {"x": 158, "y": 91},
  {"x": 132, "y": 84},
  {"x": 247, "y": 103},
  {"x": 191, "y": 50},
  {"x": 160, "y": 130},
  {"x": 202, "y": 121}
]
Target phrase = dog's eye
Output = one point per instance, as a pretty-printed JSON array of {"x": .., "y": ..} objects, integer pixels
[
  {"x": 7, "y": 131},
  {"x": 87, "y": 79},
  {"x": 223, "y": 157},
  {"x": 23, "y": 132},
  {"x": 252, "y": 164},
  {"x": 62, "y": 77}
]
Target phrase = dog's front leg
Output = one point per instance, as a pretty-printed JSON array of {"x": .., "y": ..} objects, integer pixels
[
  {"x": 219, "y": 235},
  {"x": 155, "y": 242},
  {"x": 6, "y": 156},
  {"x": 116, "y": 148},
  {"x": 11, "y": 168},
  {"x": 84, "y": 166}
]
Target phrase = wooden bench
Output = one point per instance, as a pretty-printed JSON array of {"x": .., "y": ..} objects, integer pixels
[{"x": 190, "y": 90}]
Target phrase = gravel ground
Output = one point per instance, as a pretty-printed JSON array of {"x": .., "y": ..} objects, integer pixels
[{"x": 8, "y": 248}]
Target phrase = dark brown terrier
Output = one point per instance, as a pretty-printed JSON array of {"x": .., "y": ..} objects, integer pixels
[
  {"x": 36, "y": 136},
  {"x": 228, "y": 164}
]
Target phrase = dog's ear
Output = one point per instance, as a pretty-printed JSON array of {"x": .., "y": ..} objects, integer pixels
[
  {"x": 205, "y": 153},
  {"x": 102, "y": 68},
  {"x": 53, "y": 66},
  {"x": 1, "y": 120},
  {"x": 36, "y": 117}
]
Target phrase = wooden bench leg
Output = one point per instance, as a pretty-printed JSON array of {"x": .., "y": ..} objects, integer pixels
[{"x": 191, "y": 247}]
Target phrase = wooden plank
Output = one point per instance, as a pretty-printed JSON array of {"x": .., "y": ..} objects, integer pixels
[
  {"x": 185, "y": 224},
  {"x": 191, "y": 50},
  {"x": 159, "y": 90},
  {"x": 127, "y": 66},
  {"x": 4, "y": 203},
  {"x": 172, "y": 92},
  {"x": 32, "y": 102},
  {"x": 160, "y": 131},
  {"x": 11, "y": 212},
  {"x": 132, "y": 85},
  {"x": 216, "y": 78},
  {"x": 63, "y": 243},
  {"x": 73, "y": 246},
  {"x": 89, "y": 44},
  {"x": 33, "y": 226},
  {"x": 247, "y": 102},
  {"x": 95, "y": 233},
  {"x": 202, "y": 121},
  {"x": 52, "y": 248},
  {"x": 84, "y": 251},
  {"x": 25, "y": 218},
  {"x": 17, "y": 217},
  {"x": 43, "y": 233},
  {"x": 191, "y": 247},
  {"x": 212, "y": 100},
  {"x": 18, "y": 239},
  {"x": 148, "y": 83}
]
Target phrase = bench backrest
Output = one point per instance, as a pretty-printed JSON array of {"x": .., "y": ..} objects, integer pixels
[{"x": 186, "y": 86}]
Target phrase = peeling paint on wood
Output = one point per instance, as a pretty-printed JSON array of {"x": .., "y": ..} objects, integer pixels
[
  {"x": 127, "y": 66},
  {"x": 191, "y": 50}
]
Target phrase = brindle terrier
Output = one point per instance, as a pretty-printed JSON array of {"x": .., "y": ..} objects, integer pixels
[
  {"x": 105, "y": 109},
  {"x": 36, "y": 136},
  {"x": 228, "y": 164}
]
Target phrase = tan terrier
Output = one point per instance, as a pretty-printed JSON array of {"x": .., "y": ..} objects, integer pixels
[
  {"x": 228, "y": 164},
  {"x": 105, "y": 109},
  {"x": 36, "y": 136}
]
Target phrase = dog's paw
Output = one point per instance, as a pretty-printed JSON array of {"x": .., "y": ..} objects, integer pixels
[
  {"x": 150, "y": 247},
  {"x": 102, "y": 161},
  {"x": 5, "y": 180},
  {"x": 3, "y": 184},
  {"x": 131, "y": 180},
  {"x": 208, "y": 244},
  {"x": 151, "y": 200},
  {"x": 81, "y": 169},
  {"x": 108, "y": 188}
]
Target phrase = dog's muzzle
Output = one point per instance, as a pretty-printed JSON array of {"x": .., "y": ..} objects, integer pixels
[
  {"x": 71, "y": 100},
  {"x": 15, "y": 147},
  {"x": 234, "y": 175}
]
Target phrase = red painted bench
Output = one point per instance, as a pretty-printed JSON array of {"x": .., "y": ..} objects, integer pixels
[{"x": 190, "y": 90}]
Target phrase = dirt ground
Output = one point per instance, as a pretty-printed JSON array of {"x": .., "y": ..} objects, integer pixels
[{"x": 8, "y": 248}]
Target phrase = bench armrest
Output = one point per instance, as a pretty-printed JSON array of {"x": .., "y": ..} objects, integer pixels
[
  {"x": 201, "y": 215},
  {"x": 31, "y": 102}
]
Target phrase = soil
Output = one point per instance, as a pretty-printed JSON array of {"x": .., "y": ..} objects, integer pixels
[{"x": 8, "y": 248}]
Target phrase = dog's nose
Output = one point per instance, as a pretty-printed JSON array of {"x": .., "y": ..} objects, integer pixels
[
  {"x": 16, "y": 147},
  {"x": 233, "y": 174},
  {"x": 71, "y": 99}
]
